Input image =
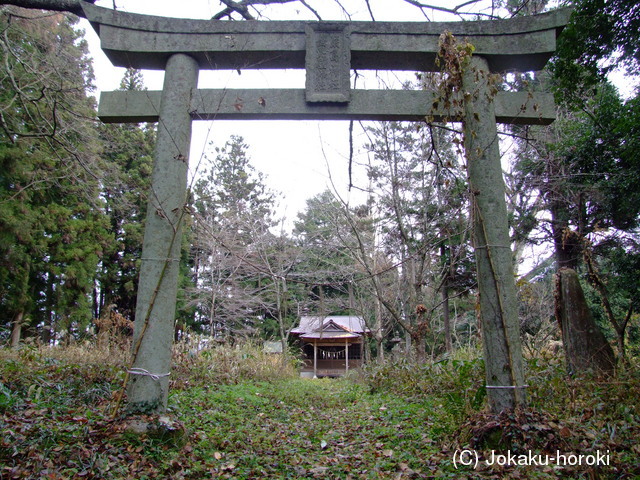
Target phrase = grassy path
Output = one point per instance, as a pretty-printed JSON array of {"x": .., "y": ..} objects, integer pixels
[
  {"x": 55, "y": 424},
  {"x": 308, "y": 429}
]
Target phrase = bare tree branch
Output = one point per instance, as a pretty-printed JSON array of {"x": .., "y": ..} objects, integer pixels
[
  {"x": 370, "y": 11},
  {"x": 454, "y": 11},
  {"x": 242, "y": 8},
  {"x": 311, "y": 9},
  {"x": 71, "y": 6},
  {"x": 344, "y": 10}
]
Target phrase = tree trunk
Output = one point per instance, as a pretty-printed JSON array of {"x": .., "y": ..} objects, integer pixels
[
  {"x": 448, "y": 344},
  {"x": 494, "y": 259},
  {"x": 585, "y": 347},
  {"x": 378, "y": 333},
  {"x": 16, "y": 330},
  {"x": 567, "y": 244},
  {"x": 284, "y": 334},
  {"x": 620, "y": 334},
  {"x": 212, "y": 309},
  {"x": 48, "y": 330},
  {"x": 418, "y": 338},
  {"x": 407, "y": 345}
]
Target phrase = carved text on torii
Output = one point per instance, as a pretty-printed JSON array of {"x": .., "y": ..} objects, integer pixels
[{"x": 328, "y": 63}]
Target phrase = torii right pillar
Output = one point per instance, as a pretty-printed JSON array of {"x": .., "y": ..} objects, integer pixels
[{"x": 498, "y": 311}]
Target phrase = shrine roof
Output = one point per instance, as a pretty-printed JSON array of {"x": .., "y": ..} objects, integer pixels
[{"x": 333, "y": 323}]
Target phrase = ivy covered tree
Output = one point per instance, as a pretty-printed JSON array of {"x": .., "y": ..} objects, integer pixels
[
  {"x": 584, "y": 168},
  {"x": 574, "y": 178}
]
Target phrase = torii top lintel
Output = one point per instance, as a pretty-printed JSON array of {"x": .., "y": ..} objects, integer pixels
[
  {"x": 146, "y": 42},
  {"x": 328, "y": 51}
]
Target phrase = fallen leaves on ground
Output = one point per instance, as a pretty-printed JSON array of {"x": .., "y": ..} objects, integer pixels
[{"x": 55, "y": 423}]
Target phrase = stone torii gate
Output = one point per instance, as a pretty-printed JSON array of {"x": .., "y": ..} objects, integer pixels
[{"x": 328, "y": 51}]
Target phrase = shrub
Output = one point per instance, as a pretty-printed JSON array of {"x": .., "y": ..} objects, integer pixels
[
  {"x": 457, "y": 381},
  {"x": 226, "y": 364}
]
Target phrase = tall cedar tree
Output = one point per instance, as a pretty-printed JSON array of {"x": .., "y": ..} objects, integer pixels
[
  {"x": 52, "y": 228},
  {"x": 128, "y": 154},
  {"x": 324, "y": 237}
]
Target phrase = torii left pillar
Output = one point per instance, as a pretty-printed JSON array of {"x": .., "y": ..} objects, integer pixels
[{"x": 158, "y": 286}]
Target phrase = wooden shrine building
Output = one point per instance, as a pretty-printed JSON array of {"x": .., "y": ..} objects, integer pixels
[{"x": 331, "y": 345}]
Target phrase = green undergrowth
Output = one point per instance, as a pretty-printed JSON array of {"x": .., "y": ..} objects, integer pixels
[
  {"x": 226, "y": 364},
  {"x": 390, "y": 421},
  {"x": 580, "y": 415},
  {"x": 455, "y": 383},
  {"x": 307, "y": 428}
]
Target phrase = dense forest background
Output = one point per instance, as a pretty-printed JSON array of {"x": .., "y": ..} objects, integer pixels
[{"x": 73, "y": 202}]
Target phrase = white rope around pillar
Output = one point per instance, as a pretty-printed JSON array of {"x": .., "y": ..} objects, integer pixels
[{"x": 147, "y": 373}]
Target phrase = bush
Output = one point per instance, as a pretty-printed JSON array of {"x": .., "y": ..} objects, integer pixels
[
  {"x": 457, "y": 381},
  {"x": 225, "y": 364}
]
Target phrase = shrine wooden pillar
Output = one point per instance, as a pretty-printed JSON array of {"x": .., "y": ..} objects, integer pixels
[
  {"x": 346, "y": 355},
  {"x": 315, "y": 358}
]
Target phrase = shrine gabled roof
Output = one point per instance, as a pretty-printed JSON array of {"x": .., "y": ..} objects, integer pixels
[{"x": 339, "y": 324}]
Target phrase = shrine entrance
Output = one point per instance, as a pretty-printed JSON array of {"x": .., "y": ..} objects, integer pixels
[{"x": 327, "y": 51}]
